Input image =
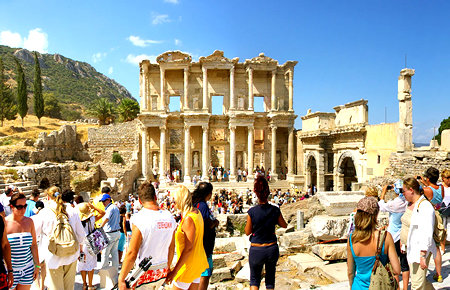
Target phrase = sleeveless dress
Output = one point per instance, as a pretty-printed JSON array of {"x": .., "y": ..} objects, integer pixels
[
  {"x": 437, "y": 196},
  {"x": 21, "y": 258},
  {"x": 364, "y": 267},
  {"x": 196, "y": 263}
]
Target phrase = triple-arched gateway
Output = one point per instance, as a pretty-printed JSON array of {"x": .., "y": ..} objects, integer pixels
[{"x": 222, "y": 113}]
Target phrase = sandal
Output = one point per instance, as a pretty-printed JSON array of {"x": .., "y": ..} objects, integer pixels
[
  {"x": 85, "y": 287},
  {"x": 92, "y": 288}
]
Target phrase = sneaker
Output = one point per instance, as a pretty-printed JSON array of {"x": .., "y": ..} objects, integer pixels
[{"x": 437, "y": 278}]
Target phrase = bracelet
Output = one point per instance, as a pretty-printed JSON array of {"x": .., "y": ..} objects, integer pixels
[{"x": 37, "y": 266}]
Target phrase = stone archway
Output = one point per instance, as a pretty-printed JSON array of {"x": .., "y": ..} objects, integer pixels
[
  {"x": 346, "y": 171},
  {"x": 311, "y": 169}
]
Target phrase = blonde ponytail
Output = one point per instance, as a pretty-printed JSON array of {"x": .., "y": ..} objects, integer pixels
[{"x": 54, "y": 193}]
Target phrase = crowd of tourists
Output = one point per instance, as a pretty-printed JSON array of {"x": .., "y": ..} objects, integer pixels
[{"x": 417, "y": 230}]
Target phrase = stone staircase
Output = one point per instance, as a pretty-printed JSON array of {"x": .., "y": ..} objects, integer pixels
[{"x": 26, "y": 186}]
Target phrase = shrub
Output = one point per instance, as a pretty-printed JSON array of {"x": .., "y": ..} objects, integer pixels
[
  {"x": 116, "y": 158},
  {"x": 12, "y": 172}
]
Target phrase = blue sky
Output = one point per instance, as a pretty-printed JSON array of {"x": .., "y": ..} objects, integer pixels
[{"x": 347, "y": 50}]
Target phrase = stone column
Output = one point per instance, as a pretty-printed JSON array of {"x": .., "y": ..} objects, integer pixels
[
  {"x": 273, "y": 165},
  {"x": 144, "y": 83},
  {"x": 144, "y": 157},
  {"x": 291, "y": 152},
  {"x": 205, "y": 157},
  {"x": 250, "y": 89},
  {"x": 232, "y": 153},
  {"x": 187, "y": 154},
  {"x": 162, "y": 154},
  {"x": 273, "y": 99},
  {"x": 291, "y": 90},
  {"x": 250, "y": 143},
  {"x": 232, "y": 100},
  {"x": 162, "y": 86},
  {"x": 186, "y": 89},
  {"x": 321, "y": 171},
  {"x": 205, "y": 88},
  {"x": 404, "y": 134}
]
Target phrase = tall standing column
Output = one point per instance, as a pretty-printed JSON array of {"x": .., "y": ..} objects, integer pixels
[
  {"x": 250, "y": 89},
  {"x": 205, "y": 154},
  {"x": 274, "y": 175},
  {"x": 187, "y": 154},
  {"x": 232, "y": 101},
  {"x": 274, "y": 99},
  {"x": 291, "y": 151},
  {"x": 250, "y": 143},
  {"x": 162, "y": 154},
  {"x": 162, "y": 86},
  {"x": 232, "y": 153},
  {"x": 205, "y": 88},
  {"x": 144, "y": 86},
  {"x": 291, "y": 90},
  {"x": 144, "y": 157},
  {"x": 186, "y": 88}
]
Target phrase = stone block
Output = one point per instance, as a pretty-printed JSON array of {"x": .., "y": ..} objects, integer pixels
[
  {"x": 330, "y": 252},
  {"x": 336, "y": 271},
  {"x": 229, "y": 258},
  {"x": 236, "y": 267},
  {"x": 108, "y": 277},
  {"x": 297, "y": 241},
  {"x": 305, "y": 262},
  {"x": 219, "y": 261},
  {"x": 233, "y": 244},
  {"x": 327, "y": 228},
  {"x": 339, "y": 203},
  {"x": 220, "y": 275}
]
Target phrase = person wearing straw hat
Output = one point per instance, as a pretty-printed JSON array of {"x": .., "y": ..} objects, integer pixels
[{"x": 87, "y": 262}]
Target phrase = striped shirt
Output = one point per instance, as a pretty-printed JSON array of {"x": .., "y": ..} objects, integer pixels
[{"x": 20, "y": 249}]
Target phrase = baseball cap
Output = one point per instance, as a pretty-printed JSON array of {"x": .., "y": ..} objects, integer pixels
[
  {"x": 398, "y": 185},
  {"x": 368, "y": 204},
  {"x": 105, "y": 197}
]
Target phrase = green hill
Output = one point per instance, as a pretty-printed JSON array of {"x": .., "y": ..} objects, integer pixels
[{"x": 75, "y": 84}]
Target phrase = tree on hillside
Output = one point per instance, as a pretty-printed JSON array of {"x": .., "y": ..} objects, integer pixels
[
  {"x": 38, "y": 98},
  {"x": 128, "y": 110},
  {"x": 52, "y": 108},
  {"x": 22, "y": 105},
  {"x": 8, "y": 108},
  {"x": 103, "y": 110},
  {"x": 445, "y": 124}
]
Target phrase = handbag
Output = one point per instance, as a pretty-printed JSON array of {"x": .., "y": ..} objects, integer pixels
[
  {"x": 382, "y": 276},
  {"x": 96, "y": 241}
]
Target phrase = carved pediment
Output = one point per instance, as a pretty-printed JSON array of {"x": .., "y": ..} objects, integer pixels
[
  {"x": 174, "y": 57},
  {"x": 217, "y": 57},
  {"x": 261, "y": 59}
]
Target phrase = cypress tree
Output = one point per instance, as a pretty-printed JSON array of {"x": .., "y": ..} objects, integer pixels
[
  {"x": 22, "y": 105},
  {"x": 8, "y": 109},
  {"x": 38, "y": 98}
]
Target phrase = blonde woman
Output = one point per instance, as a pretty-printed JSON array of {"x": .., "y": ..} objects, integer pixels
[
  {"x": 189, "y": 244},
  {"x": 362, "y": 245},
  {"x": 60, "y": 270}
]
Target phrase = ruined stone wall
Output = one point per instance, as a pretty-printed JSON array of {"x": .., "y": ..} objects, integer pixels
[
  {"x": 416, "y": 162},
  {"x": 104, "y": 140},
  {"x": 47, "y": 174}
]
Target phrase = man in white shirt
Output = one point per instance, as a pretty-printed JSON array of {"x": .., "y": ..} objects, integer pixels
[
  {"x": 5, "y": 197},
  {"x": 153, "y": 235}
]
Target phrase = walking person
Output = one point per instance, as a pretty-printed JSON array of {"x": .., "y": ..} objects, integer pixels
[
  {"x": 122, "y": 239},
  {"x": 22, "y": 239},
  {"x": 111, "y": 227},
  {"x": 31, "y": 203},
  {"x": 87, "y": 262},
  {"x": 201, "y": 195},
  {"x": 61, "y": 270},
  {"x": 362, "y": 245},
  {"x": 261, "y": 222},
  {"x": 396, "y": 208},
  {"x": 418, "y": 225},
  {"x": 152, "y": 236},
  {"x": 191, "y": 257}
]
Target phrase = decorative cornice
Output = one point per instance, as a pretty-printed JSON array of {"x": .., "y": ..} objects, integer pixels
[
  {"x": 174, "y": 57},
  {"x": 217, "y": 57},
  {"x": 261, "y": 59}
]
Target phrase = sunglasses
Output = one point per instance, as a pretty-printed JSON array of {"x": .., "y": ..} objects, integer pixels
[{"x": 20, "y": 207}]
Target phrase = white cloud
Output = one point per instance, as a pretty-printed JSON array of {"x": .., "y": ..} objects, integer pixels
[
  {"x": 136, "y": 59},
  {"x": 37, "y": 40},
  {"x": 99, "y": 56},
  {"x": 110, "y": 70},
  {"x": 172, "y": 1},
  {"x": 10, "y": 38},
  {"x": 177, "y": 42},
  {"x": 160, "y": 18},
  {"x": 137, "y": 41}
]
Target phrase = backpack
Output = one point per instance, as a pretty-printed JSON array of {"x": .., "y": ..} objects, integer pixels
[
  {"x": 382, "y": 276},
  {"x": 63, "y": 241},
  {"x": 439, "y": 232}
]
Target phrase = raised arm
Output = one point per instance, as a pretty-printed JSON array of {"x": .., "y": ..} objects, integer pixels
[{"x": 130, "y": 257}]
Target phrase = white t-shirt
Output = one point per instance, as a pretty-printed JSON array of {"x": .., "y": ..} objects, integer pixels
[
  {"x": 446, "y": 199},
  {"x": 157, "y": 229},
  {"x": 4, "y": 200}
]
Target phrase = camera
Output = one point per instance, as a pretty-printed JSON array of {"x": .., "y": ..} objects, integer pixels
[
  {"x": 418, "y": 177},
  {"x": 389, "y": 187}
]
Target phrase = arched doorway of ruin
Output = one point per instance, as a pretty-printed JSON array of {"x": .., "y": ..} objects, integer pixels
[
  {"x": 348, "y": 173},
  {"x": 44, "y": 184},
  {"x": 312, "y": 171}
]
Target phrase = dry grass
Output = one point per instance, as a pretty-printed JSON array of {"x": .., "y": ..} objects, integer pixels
[{"x": 13, "y": 132}]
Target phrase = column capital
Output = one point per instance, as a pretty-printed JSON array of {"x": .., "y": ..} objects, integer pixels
[
  {"x": 251, "y": 127},
  {"x": 204, "y": 70},
  {"x": 274, "y": 71},
  {"x": 249, "y": 70},
  {"x": 205, "y": 128},
  {"x": 232, "y": 69},
  {"x": 273, "y": 127},
  {"x": 187, "y": 127},
  {"x": 163, "y": 127},
  {"x": 162, "y": 69},
  {"x": 186, "y": 70},
  {"x": 232, "y": 127}
]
